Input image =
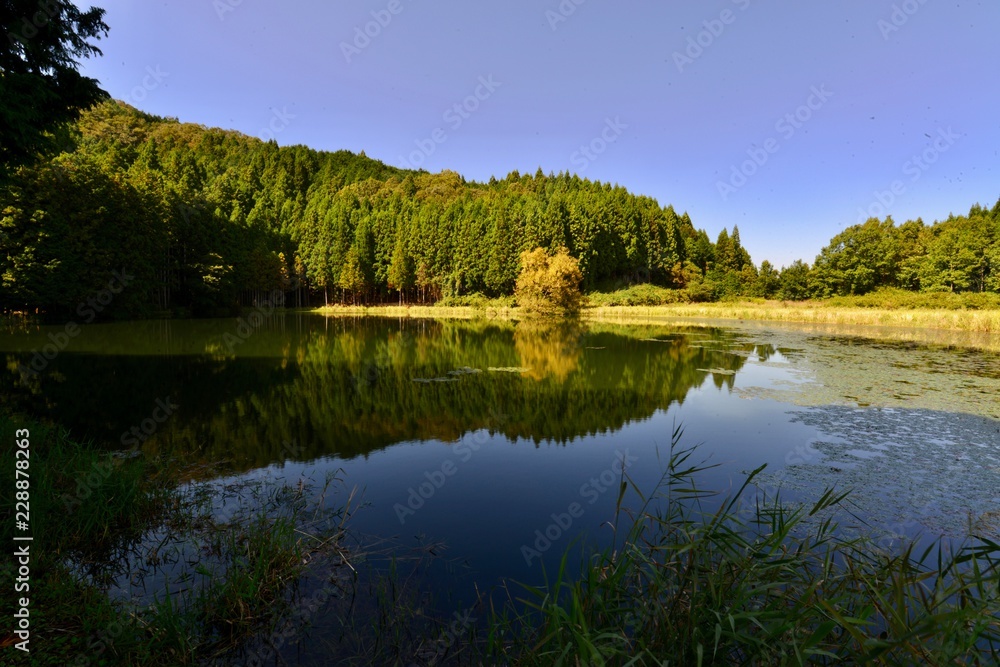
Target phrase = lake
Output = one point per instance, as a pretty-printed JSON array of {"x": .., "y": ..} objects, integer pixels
[{"x": 496, "y": 446}]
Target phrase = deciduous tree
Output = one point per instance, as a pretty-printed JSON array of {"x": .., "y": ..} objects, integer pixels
[{"x": 549, "y": 285}]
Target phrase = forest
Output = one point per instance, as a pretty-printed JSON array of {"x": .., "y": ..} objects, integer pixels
[{"x": 205, "y": 221}]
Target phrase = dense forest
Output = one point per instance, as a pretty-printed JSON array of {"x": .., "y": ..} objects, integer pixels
[{"x": 205, "y": 221}]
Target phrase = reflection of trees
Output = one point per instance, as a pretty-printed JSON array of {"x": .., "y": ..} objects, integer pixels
[
  {"x": 548, "y": 349},
  {"x": 346, "y": 387}
]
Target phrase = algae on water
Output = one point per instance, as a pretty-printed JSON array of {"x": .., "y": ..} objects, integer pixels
[{"x": 909, "y": 469}]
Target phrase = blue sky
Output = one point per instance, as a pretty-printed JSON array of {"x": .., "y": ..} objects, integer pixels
[{"x": 791, "y": 119}]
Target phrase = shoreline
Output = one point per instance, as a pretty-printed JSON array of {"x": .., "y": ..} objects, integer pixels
[
  {"x": 810, "y": 312},
  {"x": 805, "y": 312},
  {"x": 961, "y": 327}
]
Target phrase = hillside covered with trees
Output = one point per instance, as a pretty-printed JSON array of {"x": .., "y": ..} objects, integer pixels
[{"x": 205, "y": 221}]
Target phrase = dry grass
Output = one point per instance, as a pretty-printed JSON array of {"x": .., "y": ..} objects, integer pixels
[
  {"x": 979, "y": 329},
  {"x": 980, "y": 321},
  {"x": 962, "y": 327},
  {"x": 436, "y": 312}
]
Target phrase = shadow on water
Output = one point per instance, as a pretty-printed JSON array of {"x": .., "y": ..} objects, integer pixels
[{"x": 346, "y": 388}]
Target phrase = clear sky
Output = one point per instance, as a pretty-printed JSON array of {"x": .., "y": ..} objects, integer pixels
[{"x": 791, "y": 119}]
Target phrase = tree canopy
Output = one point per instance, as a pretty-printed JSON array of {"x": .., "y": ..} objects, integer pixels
[
  {"x": 959, "y": 254},
  {"x": 214, "y": 219},
  {"x": 549, "y": 285},
  {"x": 40, "y": 86},
  {"x": 208, "y": 220}
]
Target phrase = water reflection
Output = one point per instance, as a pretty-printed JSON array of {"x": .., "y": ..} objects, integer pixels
[
  {"x": 348, "y": 387},
  {"x": 549, "y": 350}
]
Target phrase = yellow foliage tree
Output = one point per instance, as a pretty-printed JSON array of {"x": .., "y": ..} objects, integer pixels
[{"x": 549, "y": 285}]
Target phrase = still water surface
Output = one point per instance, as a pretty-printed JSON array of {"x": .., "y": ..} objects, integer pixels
[{"x": 499, "y": 445}]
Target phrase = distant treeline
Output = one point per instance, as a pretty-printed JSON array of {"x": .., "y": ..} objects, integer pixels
[
  {"x": 205, "y": 220},
  {"x": 960, "y": 254}
]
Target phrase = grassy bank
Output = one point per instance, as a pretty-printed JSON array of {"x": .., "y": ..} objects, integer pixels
[
  {"x": 83, "y": 506},
  {"x": 810, "y": 312},
  {"x": 977, "y": 313},
  {"x": 91, "y": 515},
  {"x": 435, "y": 311}
]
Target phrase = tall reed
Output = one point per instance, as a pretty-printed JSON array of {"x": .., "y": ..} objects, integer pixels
[{"x": 755, "y": 582}]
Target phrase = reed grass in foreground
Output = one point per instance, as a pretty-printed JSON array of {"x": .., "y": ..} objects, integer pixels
[
  {"x": 755, "y": 583},
  {"x": 91, "y": 518}
]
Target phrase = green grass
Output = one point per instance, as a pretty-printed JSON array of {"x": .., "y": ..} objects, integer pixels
[
  {"x": 90, "y": 513},
  {"x": 476, "y": 301},
  {"x": 754, "y": 583},
  {"x": 81, "y": 498},
  {"x": 637, "y": 295},
  {"x": 250, "y": 559},
  {"x": 84, "y": 506}
]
